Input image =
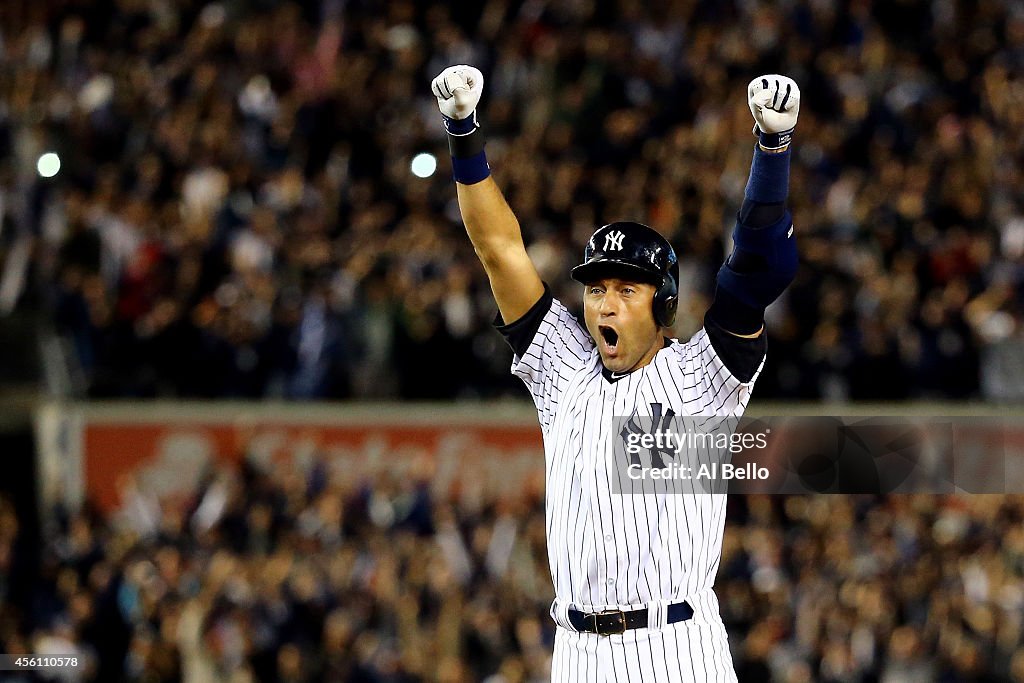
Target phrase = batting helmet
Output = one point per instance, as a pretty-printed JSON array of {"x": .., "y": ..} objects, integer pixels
[{"x": 636, "y": 251}]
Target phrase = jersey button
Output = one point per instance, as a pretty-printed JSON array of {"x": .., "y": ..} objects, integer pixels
[
  {"x": 609, "y": 396},
  {"x": 608, "y": 538},
  {"x": 611, "y": 581}
]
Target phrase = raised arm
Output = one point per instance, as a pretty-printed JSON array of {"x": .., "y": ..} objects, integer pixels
[
  {"x": 764, "y": 257},
  {"x": 490, "y": 223}
]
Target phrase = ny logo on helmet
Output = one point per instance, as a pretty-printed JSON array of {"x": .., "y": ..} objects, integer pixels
[{"x": 613, "y": 240}]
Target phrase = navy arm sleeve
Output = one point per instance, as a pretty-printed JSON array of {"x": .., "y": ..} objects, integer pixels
[
  {"x": 764, "y": 257},
  {"x": 742, "y": 355},
  {"x": 757, "y": 270},
  {"x": 726, "y": 308}
]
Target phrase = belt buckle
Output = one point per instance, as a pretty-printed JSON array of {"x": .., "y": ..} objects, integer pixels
[{"x": 616, "y": 625}]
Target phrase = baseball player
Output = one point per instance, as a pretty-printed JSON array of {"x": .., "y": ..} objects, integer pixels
[{"x": 633, "y": 574}]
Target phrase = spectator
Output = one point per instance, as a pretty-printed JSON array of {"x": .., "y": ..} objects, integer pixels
[
  {"x": 235, "y": 215},
  {"x": 293, "y": 574}
]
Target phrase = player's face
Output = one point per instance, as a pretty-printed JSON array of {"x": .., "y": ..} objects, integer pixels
[{"x": 619, "y": 317}]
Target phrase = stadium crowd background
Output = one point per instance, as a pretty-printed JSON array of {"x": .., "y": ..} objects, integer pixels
[
  {"x": 293, "y": 575},
  {"x": 235, "y": 217}
]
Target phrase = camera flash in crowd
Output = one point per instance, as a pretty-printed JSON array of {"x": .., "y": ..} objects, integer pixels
[
  {"x": 48, "y": 165},
  {"x": 423, "y": 165}
]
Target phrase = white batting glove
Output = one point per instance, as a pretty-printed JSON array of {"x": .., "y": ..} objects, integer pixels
[
  {"x": 775, "y": 103},
  {"x": 458, "y": 89}
]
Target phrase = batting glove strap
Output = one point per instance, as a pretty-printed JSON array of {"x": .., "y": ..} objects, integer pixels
[
  {"x": 772, "y": 142},
  {"x": 461, "y": 127}
]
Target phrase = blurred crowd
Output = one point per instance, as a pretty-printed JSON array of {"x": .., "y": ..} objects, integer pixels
[
  {"x": 235, "y": 213},
  {"x": 293, "y": 574}
]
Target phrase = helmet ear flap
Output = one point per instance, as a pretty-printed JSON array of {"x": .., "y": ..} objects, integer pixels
[{"x": 666, "y": 301}]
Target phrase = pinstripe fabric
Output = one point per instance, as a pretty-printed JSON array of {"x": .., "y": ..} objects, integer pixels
[
  {"x": 611, "y": 551},
  {"x": 679, "y": 653}
]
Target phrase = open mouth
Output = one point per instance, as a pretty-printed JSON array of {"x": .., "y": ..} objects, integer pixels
[{"x": 610, "y": 336}]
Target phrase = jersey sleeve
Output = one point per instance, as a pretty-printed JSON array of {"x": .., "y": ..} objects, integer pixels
[
  {"x": 710, "y": 362},
  {"x": 546, "y": 359}
]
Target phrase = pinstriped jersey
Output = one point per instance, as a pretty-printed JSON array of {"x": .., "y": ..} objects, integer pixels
[{"x": 609, "y": 550}]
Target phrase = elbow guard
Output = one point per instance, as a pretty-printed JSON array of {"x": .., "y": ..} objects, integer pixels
[{"x": 763, "y": 263}]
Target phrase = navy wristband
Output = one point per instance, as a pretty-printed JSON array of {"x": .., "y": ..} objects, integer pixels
[
  {"x": 466, "y": 145},
  {"x": 470, "y": 170}
]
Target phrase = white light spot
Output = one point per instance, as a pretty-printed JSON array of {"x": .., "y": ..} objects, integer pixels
[
  {"x": 423, "y": 165},
  {"x": 48, "y": 165}
]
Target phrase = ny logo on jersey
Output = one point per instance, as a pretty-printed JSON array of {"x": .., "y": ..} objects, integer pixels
[
  {"x": 613, "y": 240},
  {"x": 660, "y": 424}
]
